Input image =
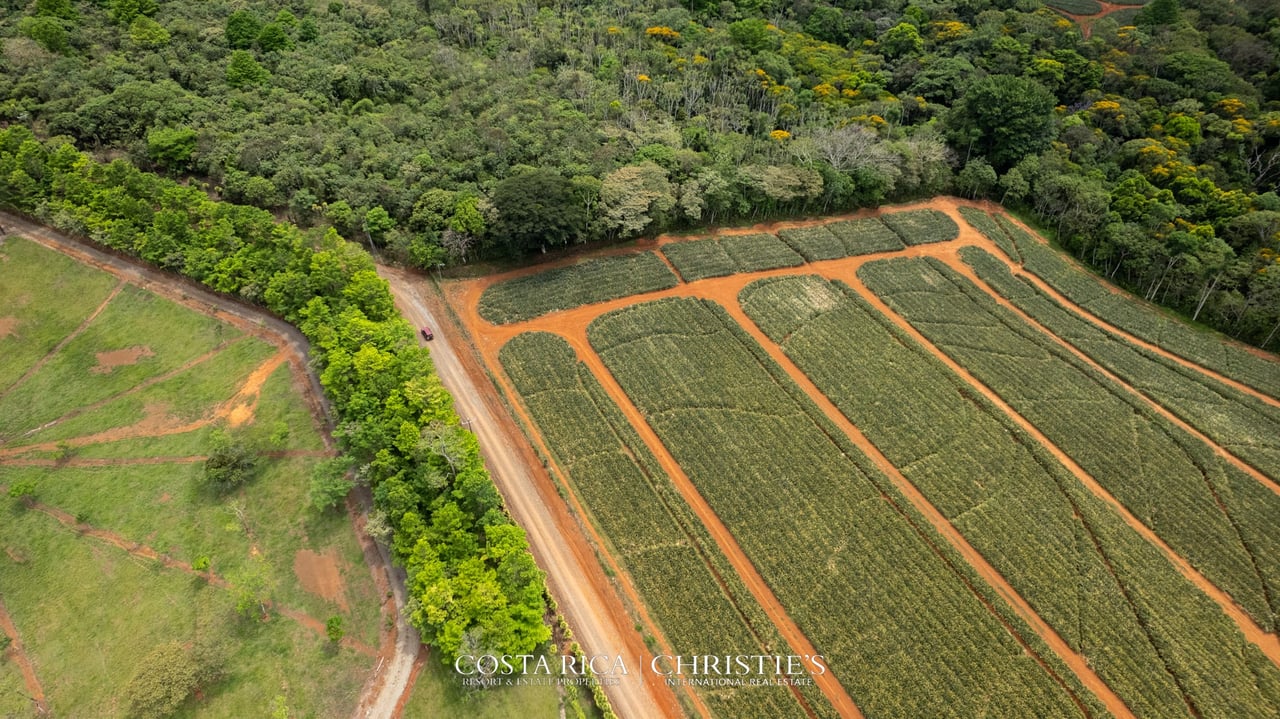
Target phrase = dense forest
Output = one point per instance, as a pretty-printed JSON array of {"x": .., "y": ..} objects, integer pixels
[{"x": 443, "y": 132}]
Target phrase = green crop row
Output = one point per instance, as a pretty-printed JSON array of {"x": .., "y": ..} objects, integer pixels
[
  {"x": 1207, "y": 510},
  {"x": 1144, "y": 320},
  {"x": 668, "y": 554},
  {"x": 857, "y": 573},
  {"x": 866, "y": 236},
  {"x": 597, "y": 280},
  {"x": 1236, "y": 421},
  {"x": 922, "y": 227},
  {"x": 1076, "y": 7},
  {"x": 1108, "y": 593},
  {"x": 986, "y": 224},
  {"x": 720, "y": 256}
]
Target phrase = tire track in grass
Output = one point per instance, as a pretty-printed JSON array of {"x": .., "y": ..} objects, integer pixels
[
  {"x": 237, "y": 410},
  {"x": 724, "y": 539},
  {"x": 968, "y": 235},
  {"x": 136, "y": 388},
  {"x": 19, "y": 654},
  {"x": 959, "y": 267},
  {"x": 65, "y": 340},
  {"x": 945, "y": 529},
  {"x": 142, "y": 551},
  {"x": 1268, "y": 643}
]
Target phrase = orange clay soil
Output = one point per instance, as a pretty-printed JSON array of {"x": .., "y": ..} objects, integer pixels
[
  {"x": 19, "y": 655},
  {"x": 108, "y": 361},
  {"x": 9, "y": 327},
  {"x": 1086, "y": 21},
  {"x": 158, "y": 423},
  {"x": 571, "y": 324},
  {"x": 968, "y": 273},
  {"x": 503, "y": 444},
  {"x": 65, "y": 340},
  {"x": 138, "y": 549},
  {"x": 319, "y": 575}
]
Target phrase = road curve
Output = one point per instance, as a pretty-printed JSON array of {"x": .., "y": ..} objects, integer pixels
[
  {"x": 574, "y": 576},
  {"x": 380, "y": 695}
]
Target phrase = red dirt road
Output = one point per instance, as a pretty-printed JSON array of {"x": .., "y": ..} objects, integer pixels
[
  {"x": 574, "y": 577},
  {"x": 571, "y": 324},
  {"x": 19, "y": 655}
]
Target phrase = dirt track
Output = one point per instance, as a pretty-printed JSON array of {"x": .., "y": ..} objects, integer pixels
[
  {"x": 398, "y": 650},
  {"x": 574, "y": 577},
  {"x": 571, "y": 325}
]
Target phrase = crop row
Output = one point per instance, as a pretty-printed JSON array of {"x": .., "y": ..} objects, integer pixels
[
  {"x": 894, "y": 619},
  {"x": 1238, "y": 422},
  {"x": 986, "y": 224},
  {"x": 1206, "y": 509},
  {"x": 656, "y": 537},
  {"x": 596, "y": 280},
  {"x": 1076, "y": 7},
  {"x": 1143, "y": 320},
  {"x": 842, "y": 239},
  {"x": 720, "y": 256},
  {"x": 922, "y": 227},
  {"x": 1147, "y": 632}
]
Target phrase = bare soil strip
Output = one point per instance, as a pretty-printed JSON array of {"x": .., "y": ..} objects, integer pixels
[
  {"x": 65, "y": 341},
  {"x": 574, "y": 574},
  {"x": 236, "y": 410},
  {"x": 967, "y": 272},
  {"x": 138, "y": 549},
  {"x": 1268, "y": 643},
  {"x": 1076, "y": 662},
  {"x": 728, "y": 544},
  {"x": 138, "y": 387},
  {"x": 418, "y": 663},
  {"x": 18, "y": 653},
  {"x": 971, "y": 236},
  {"x": 399, "y": 643}
]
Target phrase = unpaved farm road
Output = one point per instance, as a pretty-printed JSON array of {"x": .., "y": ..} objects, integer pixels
[
  {"x": 599, "y": 622},
  {"x": 380, "y": 695}
]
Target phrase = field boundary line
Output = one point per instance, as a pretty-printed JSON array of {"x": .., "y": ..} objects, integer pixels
[
  {"x": 1268, "y": 643},
  {"x": 40, "y": 363},
  {"x": 145, "y": 384},
  {"x": 621, "y": 576},
  {"x": 1020, "y": 271},
  {"x": 724, "y": 539},
  {"x": 19, "y": 653},
  {"x": 969, "y": 274},
  {"x": 945, "y": 529},
  {"x": 145, "y": 552}
]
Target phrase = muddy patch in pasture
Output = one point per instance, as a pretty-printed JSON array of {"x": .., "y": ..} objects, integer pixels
[
  {"x": 108, "y": 361},
  {"x": 319, "y": 575},
  {"x": 8, "y": 326}
]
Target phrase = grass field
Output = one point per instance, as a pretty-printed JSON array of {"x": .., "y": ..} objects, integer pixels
[
  {"x": 946, "y": 484},
  {"x": 96, "y": 572}
]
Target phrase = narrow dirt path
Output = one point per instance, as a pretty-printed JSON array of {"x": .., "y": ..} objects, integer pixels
[
  {"x": 65, "y": 340},
  {"x": 16, "y": 651},
  {"x": 1024, "y": 274},
  {"x": 398, "y": 646},
  {"x": 236, "y": 411},
  {"x": 1078, "y": 664},
  {"x": 574, "y": 575},
  {"x": 1086, "y": 21},
  {"x": 142, "y": 551},
  {"x": 967, "y": 272},
  {"x": 728, "y": 544},
  {"x": 188, "y": 365},
  {"x": 1268, "y": 643}
]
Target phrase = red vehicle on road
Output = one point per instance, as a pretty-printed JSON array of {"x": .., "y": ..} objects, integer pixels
[{"x": 427, "y": 334}]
